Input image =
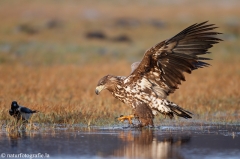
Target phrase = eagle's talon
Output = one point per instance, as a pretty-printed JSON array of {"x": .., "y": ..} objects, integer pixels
[{"x": 129, "y": 118}]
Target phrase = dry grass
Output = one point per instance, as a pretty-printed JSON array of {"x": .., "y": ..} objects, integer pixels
[
  {"x": 62, "y": 94},
  {"x": 65, "y": 94},
  {"x": 55, "y": 70}
]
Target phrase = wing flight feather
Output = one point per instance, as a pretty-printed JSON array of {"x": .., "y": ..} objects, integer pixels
[{"x": 164, "y": 64}]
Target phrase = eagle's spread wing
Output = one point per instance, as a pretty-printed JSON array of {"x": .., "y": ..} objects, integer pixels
[{"x": 163, "y": 64}]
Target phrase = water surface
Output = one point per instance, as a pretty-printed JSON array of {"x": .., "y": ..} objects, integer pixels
[{"x": 210, "y": 142}]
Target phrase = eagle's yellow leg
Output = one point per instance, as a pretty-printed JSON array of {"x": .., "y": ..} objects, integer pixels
[{"x": 129, "y": 118}]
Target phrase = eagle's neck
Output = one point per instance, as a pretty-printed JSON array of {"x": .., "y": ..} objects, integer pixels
[
  {"x": 114, "y": 84},
  {"x": 116, "y": 88}
]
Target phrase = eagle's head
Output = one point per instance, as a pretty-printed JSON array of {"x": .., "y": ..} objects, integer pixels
[
  {"x": 107, "y": 82},
  {"x": 14, "y": 105}
]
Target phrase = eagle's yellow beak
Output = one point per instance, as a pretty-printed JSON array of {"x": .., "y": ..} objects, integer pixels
[{"x": 99, "y": 89}]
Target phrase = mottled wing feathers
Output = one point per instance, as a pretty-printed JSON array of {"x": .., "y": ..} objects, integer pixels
[{"x": 163, "y": 65}]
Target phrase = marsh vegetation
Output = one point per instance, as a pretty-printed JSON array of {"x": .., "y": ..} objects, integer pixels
[{"x": 48, "y": 63}]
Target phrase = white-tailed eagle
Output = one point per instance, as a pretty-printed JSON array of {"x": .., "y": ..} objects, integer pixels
[{"x": 160, "y": 72}]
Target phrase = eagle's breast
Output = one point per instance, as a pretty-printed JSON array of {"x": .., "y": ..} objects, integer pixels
[
  {"x": 135, "y": 94},
  {"x": 120, "y": 93}
]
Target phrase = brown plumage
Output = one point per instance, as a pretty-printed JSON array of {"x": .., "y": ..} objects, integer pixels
[
  {"x": 144, "y": 114},
  {"x": 161, "y": 71}
]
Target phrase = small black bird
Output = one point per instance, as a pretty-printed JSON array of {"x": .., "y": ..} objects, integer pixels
[{"x": 20, "y": 112}]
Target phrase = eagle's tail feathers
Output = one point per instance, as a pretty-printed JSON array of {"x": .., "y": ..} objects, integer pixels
[
  {"x": 168, "y": 108},
  {"x": 179, "y": 111}
]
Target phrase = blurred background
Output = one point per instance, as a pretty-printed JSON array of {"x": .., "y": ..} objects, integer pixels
[
  {"x": 52, "y": 52},
  {"x": 76, "y": 32}
]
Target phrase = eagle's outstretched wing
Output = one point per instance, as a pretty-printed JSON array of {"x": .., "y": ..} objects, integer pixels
[{"x": 163, "y": 64}]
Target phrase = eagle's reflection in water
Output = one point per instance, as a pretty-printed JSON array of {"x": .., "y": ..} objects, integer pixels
[
  {"x": 131, "y": 143},
  {"x": 147, "y": 144}
]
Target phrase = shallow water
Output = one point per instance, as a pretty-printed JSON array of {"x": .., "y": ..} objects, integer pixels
[{"x": 210, "y": 142}]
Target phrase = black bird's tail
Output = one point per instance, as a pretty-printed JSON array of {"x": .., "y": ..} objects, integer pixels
[{"x": 35, "y": 111}]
